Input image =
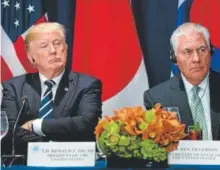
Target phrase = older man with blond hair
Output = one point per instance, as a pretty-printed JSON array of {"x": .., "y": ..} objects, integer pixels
[{"x": 62, "y": 105}]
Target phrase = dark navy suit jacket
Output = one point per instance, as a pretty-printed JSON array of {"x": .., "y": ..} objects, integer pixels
[
  {"x": 172, "y": 93},
  {"x": 77, "y": 107}
]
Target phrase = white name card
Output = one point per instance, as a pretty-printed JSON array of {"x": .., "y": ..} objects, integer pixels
[
  {"x": 196, "y": 153},
  {"x": 61, "y": 154}
]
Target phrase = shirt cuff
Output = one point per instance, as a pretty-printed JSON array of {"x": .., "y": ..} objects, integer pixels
[{"x": 37, "y": 127}]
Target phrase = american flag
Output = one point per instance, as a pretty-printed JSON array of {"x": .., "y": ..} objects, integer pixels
[
  {"x": 102, "y": 36},
  {"x": 17, "y": 17},
  {"x": 103, "y": 46}
]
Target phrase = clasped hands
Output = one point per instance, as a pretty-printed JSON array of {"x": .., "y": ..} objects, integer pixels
[{"x": 28, "y": 125}]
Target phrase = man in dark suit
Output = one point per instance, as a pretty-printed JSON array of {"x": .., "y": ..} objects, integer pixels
[
  {"x": 62, "y": 105},
  {"x": 196, "y": 89}
]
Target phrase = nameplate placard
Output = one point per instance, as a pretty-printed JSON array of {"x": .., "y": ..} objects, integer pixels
[
  {"x": 196, "y": 153},
  {"x": 61, "y": 154}
]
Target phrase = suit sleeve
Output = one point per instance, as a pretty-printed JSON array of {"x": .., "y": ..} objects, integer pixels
[
  {"x": 11, "y": 103},
  {"x": 148, "y": 100},
  {"x": 80, "y": 127}
]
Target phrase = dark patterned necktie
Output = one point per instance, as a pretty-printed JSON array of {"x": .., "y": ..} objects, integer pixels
[
  {"x": 46, "y": 105},
  {"x": 198, "y": 112}
]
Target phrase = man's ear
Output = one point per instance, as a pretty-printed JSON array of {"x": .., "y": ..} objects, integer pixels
[{"x": 31, "y": 59}]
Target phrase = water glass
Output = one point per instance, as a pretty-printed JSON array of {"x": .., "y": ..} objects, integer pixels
[
  {"x": 173, "y": 109},
  {"x": 4, "y": 124}
]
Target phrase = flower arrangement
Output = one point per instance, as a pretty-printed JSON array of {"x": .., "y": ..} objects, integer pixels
[{"x": 133, "y": 132}]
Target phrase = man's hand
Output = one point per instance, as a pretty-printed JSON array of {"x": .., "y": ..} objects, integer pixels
[{"x": 28, "y": 125}]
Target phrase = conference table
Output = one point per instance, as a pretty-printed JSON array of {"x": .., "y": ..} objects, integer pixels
[{"x": 101, "y": 165}]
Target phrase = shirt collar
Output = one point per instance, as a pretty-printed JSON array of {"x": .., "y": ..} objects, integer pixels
[
  {"x": 55, "y": 79},
  {"x": 189, "y": 86}
]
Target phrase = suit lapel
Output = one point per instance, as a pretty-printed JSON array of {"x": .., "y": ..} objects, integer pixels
[
  {"x": 178, "y": 97},
  {"x": 63, "y": 87},
  {"x": 67, "y": 84},
  {"x": 33, "y": 92},
  {"x": 214, "y": 105}
]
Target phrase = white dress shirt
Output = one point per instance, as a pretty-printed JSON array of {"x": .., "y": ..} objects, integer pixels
[
  {"x": 204, "y": 95},
  {"x": 37, "y": 124}
]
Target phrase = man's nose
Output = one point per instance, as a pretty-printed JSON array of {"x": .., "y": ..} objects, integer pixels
[
  {"x": 52, "y": 48},
  {"x": 196, "y": 56}
]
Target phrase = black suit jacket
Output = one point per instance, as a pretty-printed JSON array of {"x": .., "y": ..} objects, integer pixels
[
  {"x": 77, "y": 107},
  {"x": 172, "y": 93}
]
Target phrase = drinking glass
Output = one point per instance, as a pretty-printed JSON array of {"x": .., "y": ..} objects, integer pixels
[
  {"x": 194, "y": 133},
  {"x": 4, "y": 124},
  {"x": 173, "y": 109}
]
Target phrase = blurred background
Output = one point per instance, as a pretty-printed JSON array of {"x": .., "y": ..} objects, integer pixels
[{"x": 124, "y": 43}]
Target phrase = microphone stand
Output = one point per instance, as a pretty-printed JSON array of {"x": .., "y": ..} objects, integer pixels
[{"x": 12, "y": 157}]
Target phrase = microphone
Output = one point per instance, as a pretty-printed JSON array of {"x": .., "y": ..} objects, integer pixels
[
  {"x": 27, "y": 105},
  {"x": 24, "y": 101},
  {"x": 12, "y": 157}
]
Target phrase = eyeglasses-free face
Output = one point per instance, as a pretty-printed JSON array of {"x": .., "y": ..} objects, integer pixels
[
  {"x": 200, "y": 52},
  {"x": 49, "y": 51},
  {"x": 193, "y": 57}
]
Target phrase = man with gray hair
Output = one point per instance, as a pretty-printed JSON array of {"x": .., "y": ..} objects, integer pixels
[
  {"x": 61, "y": 105},
  {"x": 196, "y": 89}
]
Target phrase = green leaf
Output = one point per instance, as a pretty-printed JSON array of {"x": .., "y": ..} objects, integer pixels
[
  {"x": 195, "y": 127},
  {"x": 124, "y": 140},
  {"x": 112, "y": 128},
  {"x": 150, "y": 115},
  {"x": 142, "y": 125},
  {"x": 113, "y": 138}
]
